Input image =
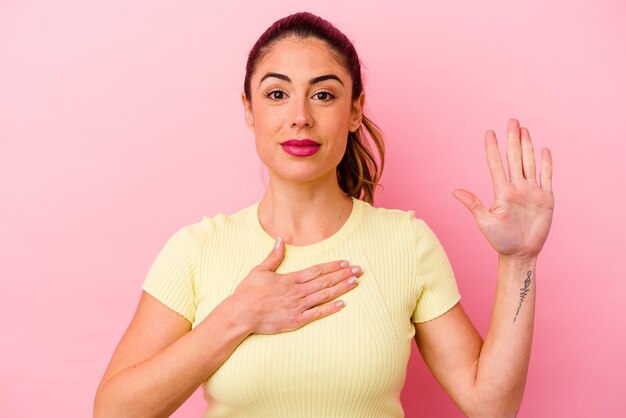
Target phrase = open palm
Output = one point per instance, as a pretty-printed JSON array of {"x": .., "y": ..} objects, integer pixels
[{"x": 518, "y": 221}]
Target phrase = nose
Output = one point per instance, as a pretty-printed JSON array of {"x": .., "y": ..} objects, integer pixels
[{"x": 301, "y": 114}]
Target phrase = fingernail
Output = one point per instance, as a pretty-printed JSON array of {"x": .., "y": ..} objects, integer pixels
[
  {"x": 352, "y": 280},
  {"x": 340, "y": 303},
  {"x": 277, "y": 243},
  {"x": 343, "y": 264},
  {"x": 355, "y": 269}
]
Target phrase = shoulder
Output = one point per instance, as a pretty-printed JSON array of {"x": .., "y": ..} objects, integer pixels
[
  {"x": 393, "y": 219},
  {"x": 197, "y": 234},
  {"x": 399, "y": 225}
]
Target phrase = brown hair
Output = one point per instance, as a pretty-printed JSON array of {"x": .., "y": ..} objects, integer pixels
[{"x": 358, "y": 172}]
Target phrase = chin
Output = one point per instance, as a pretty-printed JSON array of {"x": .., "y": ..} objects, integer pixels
[{"x": 302, "y": 175}]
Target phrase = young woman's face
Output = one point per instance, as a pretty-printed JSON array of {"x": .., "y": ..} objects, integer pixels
[{"x": 299, "y": 91}]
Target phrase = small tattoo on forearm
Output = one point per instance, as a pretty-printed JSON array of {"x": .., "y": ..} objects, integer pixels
[{"x": 523, "y": 292}]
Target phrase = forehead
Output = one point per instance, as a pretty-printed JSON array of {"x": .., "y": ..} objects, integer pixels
[{"x": 307, "y": 58}]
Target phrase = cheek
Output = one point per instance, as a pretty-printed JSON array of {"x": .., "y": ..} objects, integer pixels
[
  {"x": 338, "y": 121},
  {"x": 268, "y": 125},
  {"x": 343, "y": 115}
]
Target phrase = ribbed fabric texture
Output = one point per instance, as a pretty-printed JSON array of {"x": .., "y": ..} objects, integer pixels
[{"x": 350, "y": 364}]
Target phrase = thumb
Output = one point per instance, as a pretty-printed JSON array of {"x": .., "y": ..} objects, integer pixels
[
  {"x": 471, "y": 202},
  {"x": 272, "y": 261}
]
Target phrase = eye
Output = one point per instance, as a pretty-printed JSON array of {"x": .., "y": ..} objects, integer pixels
[
  {"x": 324, "y": 96},
  {"x": 275, "y": 94}
]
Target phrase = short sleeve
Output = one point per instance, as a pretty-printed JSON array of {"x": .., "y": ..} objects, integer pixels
[
  {"x": 439, "y": 291},
  {"x": 172, "y": 275}
]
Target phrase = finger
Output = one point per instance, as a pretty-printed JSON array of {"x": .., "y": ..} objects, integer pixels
[
  {"x": 329, "y": 280},
  {"x": 494, "y": 161},
  {"x": 514, "y": 151},
  {"x": 318, "y": 270},
  {"x": 321, "y": 311},
  {"x": 329, "y": 293},
  {"x": 471, "y": 202},
  {"x": 528, "y": 157},
  {"x": 546, "y": 169},
  {"x": 273, "y": 260}
]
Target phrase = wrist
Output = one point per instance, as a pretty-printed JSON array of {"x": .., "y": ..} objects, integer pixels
[
  {"x": 518, "y": 259},
  {"x": 238, "y": 317},
  {"x": 511, "y": 267}
]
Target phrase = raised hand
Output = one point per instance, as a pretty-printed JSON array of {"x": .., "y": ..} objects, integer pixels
[
  {"x": 274, "y": 303},
  {"x": 518, "y": 221}
]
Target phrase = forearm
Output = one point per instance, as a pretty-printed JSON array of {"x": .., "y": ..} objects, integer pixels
[
  {"x": 503, "y": 362},
  {"x": 160, "y": 384}
]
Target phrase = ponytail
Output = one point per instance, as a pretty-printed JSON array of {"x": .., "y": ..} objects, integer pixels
[{"x": 358, "y": 172}]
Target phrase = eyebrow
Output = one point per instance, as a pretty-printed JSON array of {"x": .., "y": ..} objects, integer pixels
[{"x": 311, "y": 81}]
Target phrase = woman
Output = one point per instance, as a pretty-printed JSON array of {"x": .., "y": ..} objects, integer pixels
[{"x": 295, "y": 333}]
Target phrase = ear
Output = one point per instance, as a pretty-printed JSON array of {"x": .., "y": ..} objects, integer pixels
[
  {"x": 247, "y": 109},
  {"x": 356, "y": 116}
]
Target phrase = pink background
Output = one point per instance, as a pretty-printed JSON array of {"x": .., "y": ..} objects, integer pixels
[{"x": 120, "y": 122}]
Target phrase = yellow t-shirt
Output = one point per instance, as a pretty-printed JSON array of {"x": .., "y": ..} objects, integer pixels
[{"x": 350, "y": 364}]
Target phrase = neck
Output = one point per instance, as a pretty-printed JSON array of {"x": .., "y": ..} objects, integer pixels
[{"x": 303, "y": 214}]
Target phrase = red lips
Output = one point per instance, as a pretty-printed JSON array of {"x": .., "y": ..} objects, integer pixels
[
  {"x": 300, "y": 142},
  {"x": 300, "y": 147}
]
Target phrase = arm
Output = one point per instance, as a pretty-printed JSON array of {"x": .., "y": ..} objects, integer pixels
[
  {"x": 160, "y": 361},
  {"x": 487, "y": 379}
]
